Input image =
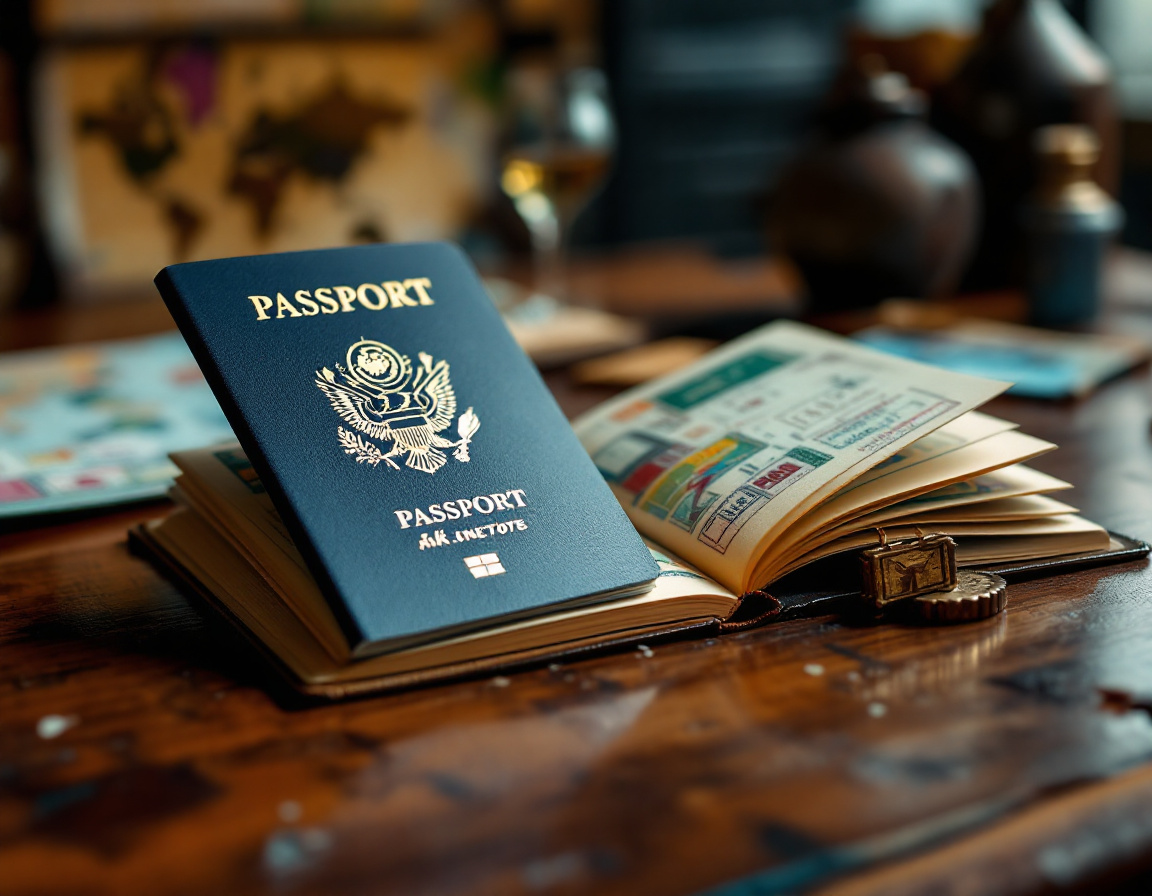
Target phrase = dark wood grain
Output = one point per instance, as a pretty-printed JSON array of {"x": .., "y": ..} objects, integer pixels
[{"x": 885, "y": 758}]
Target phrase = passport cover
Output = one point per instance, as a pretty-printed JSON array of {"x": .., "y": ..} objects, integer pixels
[{"x": 420, "y": 463}]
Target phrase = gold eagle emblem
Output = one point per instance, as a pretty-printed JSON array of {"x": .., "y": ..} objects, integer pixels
[{"x": 379, "y": 395}]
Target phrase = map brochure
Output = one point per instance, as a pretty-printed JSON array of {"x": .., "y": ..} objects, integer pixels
[
  {"x": 1039, "y": 363},
  {"x": 92, "y": 425},
  {"x": 782, "y": 448}
]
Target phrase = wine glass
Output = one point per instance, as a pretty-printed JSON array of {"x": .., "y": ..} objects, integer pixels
[{"x": 562, "y": 136}]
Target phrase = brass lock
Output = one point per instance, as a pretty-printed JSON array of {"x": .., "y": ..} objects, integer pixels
[{"x": 898, "y": 570}]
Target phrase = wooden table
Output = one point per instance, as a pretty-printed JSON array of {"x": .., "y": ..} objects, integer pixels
[{"x": 808, "y": 755}]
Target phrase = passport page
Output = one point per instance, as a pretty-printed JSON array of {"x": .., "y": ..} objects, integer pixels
[{"x": 715, "y": 462}]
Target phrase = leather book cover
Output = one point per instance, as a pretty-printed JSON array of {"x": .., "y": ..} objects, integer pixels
[{"x": 420, "y": 463}]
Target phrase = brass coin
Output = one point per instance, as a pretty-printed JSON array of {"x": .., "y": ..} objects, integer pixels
[{"x": 977, "y": 595}]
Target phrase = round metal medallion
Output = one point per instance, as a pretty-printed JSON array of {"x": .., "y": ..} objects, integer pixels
[{"x": 977, "y": 595}]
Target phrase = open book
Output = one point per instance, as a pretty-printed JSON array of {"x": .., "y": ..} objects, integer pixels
[{"x": 785, "y": 447}]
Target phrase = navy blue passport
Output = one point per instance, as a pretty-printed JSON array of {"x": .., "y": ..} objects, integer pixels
[{"x": 421, "y": 465}]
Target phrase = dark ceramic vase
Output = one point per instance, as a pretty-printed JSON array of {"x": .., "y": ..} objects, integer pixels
[
  {"x": 1032, "y": 66},
  {"x": 879, "y": 205}
]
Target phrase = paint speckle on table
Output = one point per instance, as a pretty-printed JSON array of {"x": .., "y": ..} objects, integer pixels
[
  {"x": 53, "y": 725},
  {"x": 293, "y": 850}
]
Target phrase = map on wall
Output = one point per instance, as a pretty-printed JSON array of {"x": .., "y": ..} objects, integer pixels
[{"x": 200, "y": 150}]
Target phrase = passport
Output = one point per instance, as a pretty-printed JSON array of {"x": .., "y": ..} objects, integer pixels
[{"x": 417, "y": 460}]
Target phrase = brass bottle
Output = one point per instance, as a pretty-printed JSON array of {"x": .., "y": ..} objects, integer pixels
[
  {"x": 1032, "y": 66},
  {"x": 1068, "y": 223}
]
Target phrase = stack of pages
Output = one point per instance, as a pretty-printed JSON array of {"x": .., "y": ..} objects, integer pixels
[
  {"x": 790, "y": 445},
  {"x": 782, "y": 448}
]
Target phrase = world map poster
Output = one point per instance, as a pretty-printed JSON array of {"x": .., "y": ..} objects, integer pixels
[{"x": 161, "y": 153}]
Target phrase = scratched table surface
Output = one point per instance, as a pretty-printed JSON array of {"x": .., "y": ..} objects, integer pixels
[{"x": 142, "y": 752}]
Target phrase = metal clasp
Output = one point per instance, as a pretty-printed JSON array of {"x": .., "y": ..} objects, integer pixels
[{"x": 898, "y": 570}]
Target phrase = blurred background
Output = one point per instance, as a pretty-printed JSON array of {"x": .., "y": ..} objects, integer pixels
[
  {"x": 634, "y": 179},
  {"x": 137, "y": 133}
]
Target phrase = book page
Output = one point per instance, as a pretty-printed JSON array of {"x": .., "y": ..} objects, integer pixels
[
  {"x": 1002, "y": 450},
  {"x": 839, "y": 509},
  {"x": 1007, "y": 482},
  {"x": 987, "y": 542},
  {"x": 1024, "y": 507},
  {"x": 961, "y": 432},
  {"x": 715, "y": 461},
  {"x": 276, "y": 561},
  {"x": 222, "y": 477}
]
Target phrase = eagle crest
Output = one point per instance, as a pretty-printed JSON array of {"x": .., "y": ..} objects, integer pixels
[{"x": 379, "y": 395}]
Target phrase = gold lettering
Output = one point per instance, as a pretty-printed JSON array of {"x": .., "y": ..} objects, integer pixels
[
  {"x": 347, "y": 296},
  {"x": 311, "y": 309},
  {"x": 397, "y": 294},
  {"x": 324, "y": 297},
  {"x": 362, "y": 296},
  {"x": 262, "y": 304},
  {"x": 333, "y": 299},
  {"x": 421, "y": 285},
  {"x": 282, "y": 305}
]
